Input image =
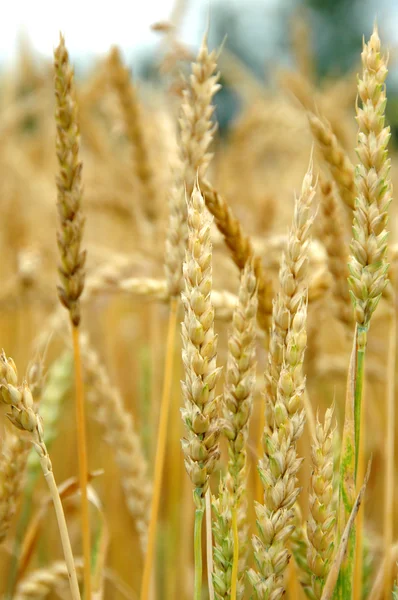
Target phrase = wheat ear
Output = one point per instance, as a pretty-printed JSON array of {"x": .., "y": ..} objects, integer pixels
[
  {"x": 23, "y": 416},
  {"x": 368, "y": 264},
  {"x": 321, "y": 526},
  {"x": 279, "y": 467},
  {"x": 69, "y": 186},
  {"x": 200, "y": 411},
  {"x": 241, "y": 249},
  {"x": 293, "y": 280},
  {"x": 127, "y": 94},
  {"x": 196, "y": 134},
  {"x": 231, "y": 505}
]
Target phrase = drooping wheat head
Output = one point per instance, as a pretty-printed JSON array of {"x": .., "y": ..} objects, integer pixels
[{"x": 241, "y": 249}]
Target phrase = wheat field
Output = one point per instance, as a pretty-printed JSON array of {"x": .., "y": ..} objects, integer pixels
[{"x": 199, "y": 331}]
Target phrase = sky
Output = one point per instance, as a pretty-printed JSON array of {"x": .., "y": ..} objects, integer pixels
[{"x": 90, "y": 27}]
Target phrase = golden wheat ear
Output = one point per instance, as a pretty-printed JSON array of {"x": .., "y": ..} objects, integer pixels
[
  {"x": 199, "y": 355},
  {"x": 231, "y": 527},
  {"x": 321, "y": 525},
  {"x": 127, "y": 94}
]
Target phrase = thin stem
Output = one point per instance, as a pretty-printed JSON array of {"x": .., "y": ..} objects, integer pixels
[
  {"x": 82, "y": 455},
  {"x": 209, "y": 546},
  {"x": 160, "y": 449},
  {"x": 235, "y": 560},
  {"x": 198, "y": 552},
  {"x": 361, "y": 333},
  {"x": 358, "y": 567},
  {"x": 389, "y": 457},
  {"x": 63, "y": 530}
]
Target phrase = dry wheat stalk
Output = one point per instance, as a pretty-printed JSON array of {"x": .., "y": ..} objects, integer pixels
[
  {"x": 120, "y": 434},
  {"x": 42, "y": 582},
  {"x": 340, "y": 166},
  {"x": 72, "y": 267},
  {"x": 293, "y": 278},
  {"x": 200, "y": 411},
  {"x": 196, "y": 133},
  {"x": 13, "y": 459},
  {"x": 69, "y": 186},
  {"x": 321, "y": 525},
  {"x": 241, "y": 249},
  {"x": 127, "y": 94},
  {"x": 237, "y": 408},
  {"x": 24, "y": 417},
  {"x": 279, "y": 467},
  {"x": 368, "y": 265},
  {"x": 334, "y": 241}
]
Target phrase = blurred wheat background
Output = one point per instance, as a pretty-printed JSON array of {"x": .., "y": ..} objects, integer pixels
[{"x": 288, "y": 75}]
